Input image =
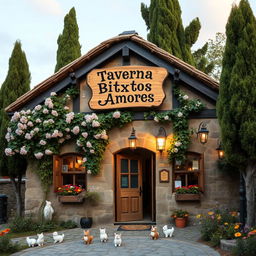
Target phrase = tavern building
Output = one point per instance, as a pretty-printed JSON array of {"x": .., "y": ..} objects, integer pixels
[{"x": 135, "y": 184}]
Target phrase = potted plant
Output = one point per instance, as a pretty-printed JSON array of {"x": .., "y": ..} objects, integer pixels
[
  {"x": 180, "y": 217},
  {"x": 70, "y": 194},
  {"x": 92, "y": 198},
  {"x": 188, "y": 193}
]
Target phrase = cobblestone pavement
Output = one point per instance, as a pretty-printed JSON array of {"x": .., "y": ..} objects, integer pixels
[{"x": 136, "y": 243}]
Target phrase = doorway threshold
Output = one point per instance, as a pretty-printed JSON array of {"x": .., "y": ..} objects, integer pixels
[{"x": 141, "y": 222}]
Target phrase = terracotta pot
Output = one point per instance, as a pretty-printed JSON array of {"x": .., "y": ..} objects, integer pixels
[{"x": 180, "y": 222}]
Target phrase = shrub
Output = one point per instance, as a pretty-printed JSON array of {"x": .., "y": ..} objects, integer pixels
[
  {"x": 68, "y": 224},
  {"x": 245, "y": 247},
  {"x": 20, "y": 224},
  {"x": 6, "y": 245},
  {"x": 208, "y": 228}
]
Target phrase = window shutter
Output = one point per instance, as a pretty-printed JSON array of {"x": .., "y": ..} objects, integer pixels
[{"x": 56, "y": 172}]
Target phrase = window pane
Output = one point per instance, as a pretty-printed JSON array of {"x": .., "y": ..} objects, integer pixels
[
  {"x": 68, "y": 164},
  {"x": 67, "y": 179},
  {"x": 134, "y": 181},
  {"x": 124, "y": 181},
  {"x": 80, "y": 180},
  {"x": 124, "y": 165},
  {"x": 193, "y": 179},
  {"x": 134, "y": 166}
]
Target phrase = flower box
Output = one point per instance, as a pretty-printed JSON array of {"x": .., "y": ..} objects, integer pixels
[
  {"x": 187, "y": 197},
  {"x": 71, "y": 199}
]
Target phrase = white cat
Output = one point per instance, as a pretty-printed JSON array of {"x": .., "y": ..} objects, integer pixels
[
  {"x": 117, "y": 240},
  {"x": 48, "y": 210},
  {"x": 31, "y": 242},
  {"x": 168, "y": 232},
  {"x": 40, "y": 239},
  {"x": 57, "y": 238},
  {"x": 103, "y": 235}
]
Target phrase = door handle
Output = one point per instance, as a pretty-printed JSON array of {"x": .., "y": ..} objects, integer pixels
[{"x": 141, "y": 191}]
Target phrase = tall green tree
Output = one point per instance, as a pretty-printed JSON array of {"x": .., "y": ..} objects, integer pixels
[
  {"x": 17, "y": 82},
  {"x": 163, "y": 20},
  {"x": 69, "y": 47},
  {"x": 237, "y": 99}
]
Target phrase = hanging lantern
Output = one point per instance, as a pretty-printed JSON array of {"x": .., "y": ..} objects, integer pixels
[
  {"x": 161, "y": 139},
  {"x": 132, "y": 139},
  {"x": 220, "y": 151},
  {"x": 202, "y": 133}
]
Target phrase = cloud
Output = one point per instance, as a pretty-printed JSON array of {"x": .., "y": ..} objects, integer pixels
[{"x": 51, "y": 7}]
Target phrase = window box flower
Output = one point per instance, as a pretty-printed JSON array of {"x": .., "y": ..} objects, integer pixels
[
  {"x": 188, "y": 193},
  {"x": 70, "y": 194}
]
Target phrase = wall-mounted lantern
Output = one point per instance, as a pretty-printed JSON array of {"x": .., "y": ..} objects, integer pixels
[
  {"x": 220, "y": 151},
  {"x": 161, "y": 139},
  {"x": 132, "y": 140},
  {"x": 202, "y": 133}
]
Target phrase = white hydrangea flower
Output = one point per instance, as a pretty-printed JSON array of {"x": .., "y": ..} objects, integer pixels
[
  {"x": 116, "y": 114},
  {"x": 53, "y": 93},
  {"x": 48, "y": 152},
  {"x": 23, "y": 150},
  {"x": 166, "y": 118},
  {"x": 175, "y": 150},
  {"x": 180, "y": 114},
  {"x": 156, "y": 119},
  {"x": 185, "y": 97},
  {"x": 95, "y": 124},
  {"x": 85, "y": 134},
  {"x": 177, "y": 143},
  {"x": 88, "y": 144},
  {"x": 38, "y": 155}
]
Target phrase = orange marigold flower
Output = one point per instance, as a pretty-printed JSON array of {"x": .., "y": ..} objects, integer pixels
[
  {"x": 238, "y": 234},
  {"x": 225, "y": 223},
  {"x": 210, "y": 213},
  {"x": 236, "y": 227}
]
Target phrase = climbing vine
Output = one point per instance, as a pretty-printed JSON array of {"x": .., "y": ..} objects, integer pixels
[
  {"x": 40, "y": 133},
  {"x": 179, "y": 118}
]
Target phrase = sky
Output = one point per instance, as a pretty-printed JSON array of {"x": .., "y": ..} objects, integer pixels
[{"x": 37, "y": 24}]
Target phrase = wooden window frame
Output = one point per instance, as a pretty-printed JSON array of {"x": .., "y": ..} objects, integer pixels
[
  {"x": 185, "y": 171},
  {"x": 58, "y": 172}
]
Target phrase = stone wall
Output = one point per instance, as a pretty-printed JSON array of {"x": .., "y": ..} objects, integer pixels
[{"x": 6, "y": 188}]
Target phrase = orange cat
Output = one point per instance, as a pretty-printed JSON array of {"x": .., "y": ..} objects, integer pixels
[
  {"x": 154, "y": 234},
  {"x": 87, "y": 238}
]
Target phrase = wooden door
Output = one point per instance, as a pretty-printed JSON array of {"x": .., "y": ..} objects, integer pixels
[{"x": 129, "y": 188}]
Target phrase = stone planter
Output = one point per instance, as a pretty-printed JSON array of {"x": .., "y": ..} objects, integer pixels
[
  {"x": 187, "y": 197},
  {"x": 71, "y": 199}
]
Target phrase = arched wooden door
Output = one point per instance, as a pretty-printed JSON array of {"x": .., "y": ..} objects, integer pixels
[{"x": 129, "y": 188}]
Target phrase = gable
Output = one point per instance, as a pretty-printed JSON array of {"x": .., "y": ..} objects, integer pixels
[{"x": 122, "y": 47}]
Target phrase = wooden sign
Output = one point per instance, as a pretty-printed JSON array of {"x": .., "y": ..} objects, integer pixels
[
  {"x": 164, "y": 176},
  {"x": 126, "y": 87}
]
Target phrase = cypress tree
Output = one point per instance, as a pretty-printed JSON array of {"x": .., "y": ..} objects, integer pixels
[
  {"x": 69, "y": 47},
  {"x": 163, "y": 20},
  {"x": 16, "y": 83},
  {"x": 237, "y": 99}
]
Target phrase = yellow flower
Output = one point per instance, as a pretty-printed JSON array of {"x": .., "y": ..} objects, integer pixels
[
  {"x": 210, "y": 213},
  {"x": 218, "y": 216},
  {"x": 198, "y": 216},
  {"x": 236, "y": 227},
  {"x": 69, "y": 191},
  {"x": 238, "y": 234},
  {"x": 225, "y": 223}
]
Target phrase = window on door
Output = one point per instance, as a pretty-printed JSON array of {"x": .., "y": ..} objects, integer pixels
[
  {"x": 191, "y": 172},
  {"x": 129, "y": 173},
  {"x": 68, "y": 169}
]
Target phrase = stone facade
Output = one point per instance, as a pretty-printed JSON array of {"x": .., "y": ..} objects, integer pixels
[{"x": 6, "y": 188}]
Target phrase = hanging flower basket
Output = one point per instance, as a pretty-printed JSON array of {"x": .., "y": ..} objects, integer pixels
[
  {"x": 187, "y": 197},
  {"x": 71, "y": 199}
]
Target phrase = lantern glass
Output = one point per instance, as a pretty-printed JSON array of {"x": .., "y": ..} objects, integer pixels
[
  {"x": 220, "y": 151},
  {"x": 132, "y": 140},
  {"x": 161, "y": 139}
]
